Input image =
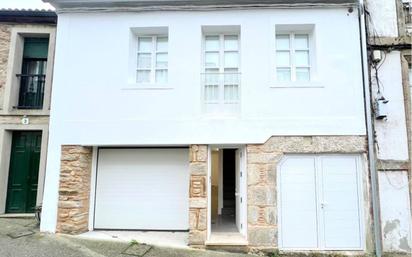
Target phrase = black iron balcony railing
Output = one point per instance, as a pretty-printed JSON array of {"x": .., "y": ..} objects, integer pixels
[{"x": 31, "y": 92}]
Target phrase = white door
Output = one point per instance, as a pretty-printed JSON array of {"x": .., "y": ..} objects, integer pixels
[
  {"x": 143, "y": 189},
  {"x": 320, "y": 202},
  {"x": 340, "y": 203},
  {"x": 297, "y": 199},
  {"x": 237, "y": 192},
  {"x": 241, "y": 207}
]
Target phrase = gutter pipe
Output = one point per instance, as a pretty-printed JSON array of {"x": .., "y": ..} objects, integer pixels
[{"x": 370, "y": 133}]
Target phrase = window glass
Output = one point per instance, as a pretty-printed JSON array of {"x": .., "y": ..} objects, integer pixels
[
  {"x": 231, "y": 59},
  {"x": 231, "y": 93},
  {"x": 292, "y": 57},
  {"x": 211, "y": 93},
  {"x": 231, "y": 43},
  {"x": 152, "y": 59},
  {"x": 144, "y": 61},
  {"x": 161, "y": 76},
  {"x": 143, "y": 76},
  {"x": 212, "y": 60},
  {"x": 282, "y": 42},
  {"x": 145, "y": 44},
  {"x": 161, "y": 44},
  {"x": 302, "y": 58},
  {"x": 283, "y": 74},
  {"x": 221, "y": 66},
  {"x": 212, "y": 43},
  {"x": 301, "y": 41},
  {"x": 283, "y": 58},
  {"x": 161, "y": 60},
  {"x": 302, "y": 74}
]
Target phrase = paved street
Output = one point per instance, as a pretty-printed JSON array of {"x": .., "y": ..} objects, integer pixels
[{"x": 46, "y": 245}]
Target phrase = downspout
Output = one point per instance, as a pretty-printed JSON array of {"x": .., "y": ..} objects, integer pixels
[{"x": 370, "y": 133}]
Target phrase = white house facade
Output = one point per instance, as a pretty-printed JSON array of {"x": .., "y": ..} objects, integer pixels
[{"x": 241, "y": 122}]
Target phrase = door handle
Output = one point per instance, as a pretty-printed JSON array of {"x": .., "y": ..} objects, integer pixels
[{"x": 323, "y": 205}]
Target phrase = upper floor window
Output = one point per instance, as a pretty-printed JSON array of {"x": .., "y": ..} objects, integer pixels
[
  {"x": 33, "y": 73},
  {"x": 221, "y": 77},
  {"x": 293, "y": 57},
  {"x": 152, "y": 59},
  {"x": 407, "y": 12}
]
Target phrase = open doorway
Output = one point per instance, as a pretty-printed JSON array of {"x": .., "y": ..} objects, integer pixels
[{"x": 227, "y": 196}]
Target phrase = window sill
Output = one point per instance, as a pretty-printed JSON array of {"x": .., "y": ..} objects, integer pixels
[
  {"x": 221, "y": 116},
  {"x": 147, "y": 86},
  {"x": 310, "y": 84}
]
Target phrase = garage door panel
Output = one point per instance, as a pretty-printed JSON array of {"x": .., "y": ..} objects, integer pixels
[
  {"x": 320, "y": 202},
  {"x": 341, "y": 198},
  {"x": 298, "y": 201},
  {"x": 142, "y": 189}
]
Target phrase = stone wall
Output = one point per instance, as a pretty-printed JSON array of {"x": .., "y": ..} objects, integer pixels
[
  {"x": 74, "y": 189},
  {"x": 5, "y": 34},
  {"x": 198, "y": 195},
  {"x": 262, "y": 161}
]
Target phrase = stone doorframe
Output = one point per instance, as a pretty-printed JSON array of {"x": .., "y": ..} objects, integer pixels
[
  {"x": 262, "y": 165},
  {"x": 198, "y": 168}
]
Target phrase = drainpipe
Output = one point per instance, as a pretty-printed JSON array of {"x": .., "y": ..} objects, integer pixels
[{"x": 370, "y": 133}]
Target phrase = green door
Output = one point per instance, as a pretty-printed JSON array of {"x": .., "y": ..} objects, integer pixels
[{"x": 23, "y": 172}]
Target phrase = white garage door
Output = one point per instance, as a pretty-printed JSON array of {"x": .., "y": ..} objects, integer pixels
[
  {"x": 142, "y": 189},
  {"x": 320, "y": 199}
]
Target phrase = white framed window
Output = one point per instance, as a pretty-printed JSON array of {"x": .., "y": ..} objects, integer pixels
[
  {"x": 221, "y": 69},
  {"x": 293, "y": 57},
  {"x": 152, "y": 59}
]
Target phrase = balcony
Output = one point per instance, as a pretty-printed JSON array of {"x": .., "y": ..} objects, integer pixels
[
  {"x": 221, "y": 93},
  {"x": 31, "y": 91}
]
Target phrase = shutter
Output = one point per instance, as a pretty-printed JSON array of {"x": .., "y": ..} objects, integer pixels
[{"x": 36, "y": 48}]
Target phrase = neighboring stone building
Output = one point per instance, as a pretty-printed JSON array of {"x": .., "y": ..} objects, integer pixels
[
  {"x": 389, "y": 52},
  {"x": 27, "y": 39}
]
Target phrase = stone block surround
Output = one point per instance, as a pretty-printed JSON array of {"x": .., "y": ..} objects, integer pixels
[
  {"x": 262, "y": 162},
  {"x": 74, "y": 189},
  {"x": 198, "y": 195}
]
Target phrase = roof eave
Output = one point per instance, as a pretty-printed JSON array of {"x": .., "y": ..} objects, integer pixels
[
  {"x": 28, "y": 16},
  {"x": 190, "y": 5}
]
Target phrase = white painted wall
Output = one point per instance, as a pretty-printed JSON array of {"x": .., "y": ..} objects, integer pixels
[
  {"x": 383, "y": 18},
  {"x": 395, "y": 211},
  {"x": 94, "y": 103},
  {"x": 391, "y": 133}
]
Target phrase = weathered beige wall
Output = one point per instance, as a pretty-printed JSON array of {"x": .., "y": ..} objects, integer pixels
[
  {"x": 262, "y": 162},
  {"x": 5, "y": 34},
  {"x": 16, "y": 120},
  {"x": 74, "y": 189}
]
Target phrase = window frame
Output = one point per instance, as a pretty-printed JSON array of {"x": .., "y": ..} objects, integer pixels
[
  {"x": 221, "y": 35},
  {"x": 153, "y": 68},
  {"x": 292, "y": 54},
  {"x": 295, "y": 29},
  {"x": 221, "y": 68}
]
